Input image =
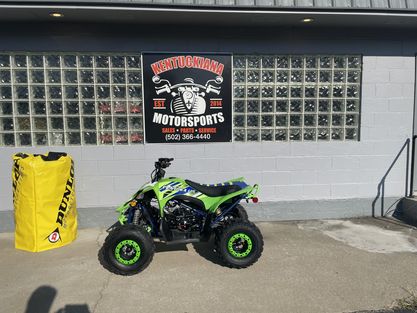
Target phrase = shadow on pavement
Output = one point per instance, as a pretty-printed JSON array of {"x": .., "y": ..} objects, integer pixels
[
  {"x": 206, "y": 250},
  {"x": 163, "y": 247},
  {"x": 42, "y": 298},
  {"x": 74, "y": 308}
]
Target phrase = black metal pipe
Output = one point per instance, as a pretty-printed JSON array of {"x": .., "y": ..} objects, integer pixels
[{"x": 413, "y": 154}]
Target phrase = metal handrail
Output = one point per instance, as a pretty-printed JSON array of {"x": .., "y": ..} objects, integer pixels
[
  {"x": 381, "y": 185},
  {"x": 413, "y": 154}
]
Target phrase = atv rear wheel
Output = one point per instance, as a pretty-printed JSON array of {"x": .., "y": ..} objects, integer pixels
[
  {"x": 242, "y": 212},
  {"x": 239, "y": 244},
  {"x": 127, "y": 250}
]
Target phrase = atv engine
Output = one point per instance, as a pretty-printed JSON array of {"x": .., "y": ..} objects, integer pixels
[{"x": 183, "y": 217}]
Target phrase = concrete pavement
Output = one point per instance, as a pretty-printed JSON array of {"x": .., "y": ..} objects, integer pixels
[{"x": 314, "y": 266}]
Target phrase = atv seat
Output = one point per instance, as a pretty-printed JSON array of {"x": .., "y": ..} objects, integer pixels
[{"x": 213, "y": 191}]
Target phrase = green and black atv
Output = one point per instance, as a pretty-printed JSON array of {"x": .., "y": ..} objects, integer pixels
[{"x": 173, "y": 210}]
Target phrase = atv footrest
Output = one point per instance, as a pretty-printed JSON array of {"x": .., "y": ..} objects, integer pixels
[{"x": 181, "y": 241}]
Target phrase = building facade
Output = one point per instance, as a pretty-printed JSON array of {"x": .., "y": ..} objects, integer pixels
[{"x": 323, "y": 98}]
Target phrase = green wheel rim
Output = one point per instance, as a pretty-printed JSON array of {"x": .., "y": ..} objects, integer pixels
[
  {"x": 127, "y": 252},
  {"x": 239, "y": 245}
]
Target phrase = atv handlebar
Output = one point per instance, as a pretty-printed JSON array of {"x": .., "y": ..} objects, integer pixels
[
  {"x": 164, "y": 162},
  {"x": 158, "y": 172}
]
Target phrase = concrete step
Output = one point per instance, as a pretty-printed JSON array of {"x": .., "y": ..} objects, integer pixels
[{"x": 407, "y": 210}]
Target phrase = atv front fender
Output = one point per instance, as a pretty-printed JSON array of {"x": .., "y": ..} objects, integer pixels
[{"x": 122, "y": 208}]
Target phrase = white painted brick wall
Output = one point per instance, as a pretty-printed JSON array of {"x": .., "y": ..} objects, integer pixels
[{"x": 106, "y": 176}]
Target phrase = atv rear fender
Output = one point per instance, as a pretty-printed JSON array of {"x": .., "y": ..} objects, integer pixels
[{"x": 248, "y": 192}]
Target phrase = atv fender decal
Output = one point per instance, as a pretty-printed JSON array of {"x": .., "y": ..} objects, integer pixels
[{"x": 170, "y": 186}]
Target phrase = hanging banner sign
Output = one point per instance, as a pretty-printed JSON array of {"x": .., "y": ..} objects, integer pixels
[{"x": 188, "y": 97}]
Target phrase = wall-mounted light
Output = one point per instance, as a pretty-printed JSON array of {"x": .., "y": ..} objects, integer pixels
[
  {"x": 56, "y": 14},
  {"x": 307, "y": 20}
]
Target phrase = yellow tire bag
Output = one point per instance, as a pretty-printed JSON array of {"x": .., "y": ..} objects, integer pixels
[{"x": 44, "y": 201}]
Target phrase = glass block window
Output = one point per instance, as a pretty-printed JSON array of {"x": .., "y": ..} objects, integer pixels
[
  {"x": 70, "y": 99},
  {"x": 296, "y": 97}
]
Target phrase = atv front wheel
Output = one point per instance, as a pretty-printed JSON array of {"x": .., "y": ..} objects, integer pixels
[
  {"x": 239, "y": 244},
  {"x": 127, "y": 250}
]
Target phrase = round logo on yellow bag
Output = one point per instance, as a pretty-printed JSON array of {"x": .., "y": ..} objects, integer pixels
[{"x": 54, "y": 236}]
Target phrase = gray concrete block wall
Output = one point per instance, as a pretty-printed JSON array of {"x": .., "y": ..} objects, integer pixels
[
  {"x": 372, "y": 4},
  {"x": 291, "y": 171},
  {"x": 411, "y": 4},
  {"x": 342, "y": 3},
  {"x": 304, "y": 3},
  {"x": 323, "y": 3},
  {"x": 397, "y": 4},
  {"x": 284, "y": 3},
  {"x": 361, "y": 3},
  {"x": 268, "y": 3},
  {"x": 380, "y": 3}
]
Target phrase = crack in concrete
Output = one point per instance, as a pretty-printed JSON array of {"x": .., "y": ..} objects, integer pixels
[
  {"x": 101, "y": 232},
  {"x": 107, "y": 280},
  {"x": 101, "y": 293}
]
